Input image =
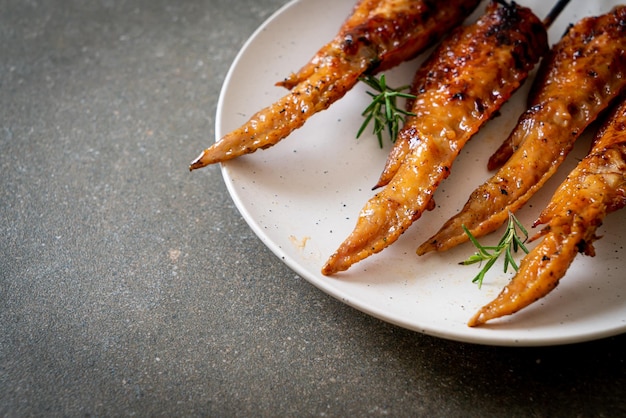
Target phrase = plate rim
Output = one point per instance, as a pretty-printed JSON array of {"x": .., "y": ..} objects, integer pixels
[{"x": 481, "y": 338}]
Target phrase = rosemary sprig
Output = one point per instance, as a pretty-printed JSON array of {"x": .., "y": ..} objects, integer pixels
[
  {"x": 383, "y": 109},
  {"x": 508, "y": 244}
]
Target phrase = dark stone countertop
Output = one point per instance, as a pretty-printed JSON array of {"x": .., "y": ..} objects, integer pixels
[{"x": 129, "y": 286}]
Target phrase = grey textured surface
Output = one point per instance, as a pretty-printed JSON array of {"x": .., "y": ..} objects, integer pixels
[{"x": 129, "y": 286}]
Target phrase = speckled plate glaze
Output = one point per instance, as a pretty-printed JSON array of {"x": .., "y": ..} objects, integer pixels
[{"x": 302, "y": 197}]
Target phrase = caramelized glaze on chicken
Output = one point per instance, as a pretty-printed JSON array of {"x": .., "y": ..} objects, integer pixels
[
  {"x": 583, "y": 73},
  {"x": 466, "y": 79},
  {"x": 378, "y": 35},
  {"x": 596, "y": 187}
]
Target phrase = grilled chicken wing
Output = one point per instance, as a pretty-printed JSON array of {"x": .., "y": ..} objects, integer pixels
[
  {"x": 378, "y": 35},
  {"x": 580, "y": 77},
  {"x": 466, "y": 79},
  {"x": 596, "y": 187}
]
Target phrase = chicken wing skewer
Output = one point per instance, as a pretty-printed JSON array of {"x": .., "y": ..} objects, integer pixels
[
  {"x": 466, "y": 79},
  {"x": 583, "y": 73},
  {"x": 402, "y": 145},
  {"x": 378, "y": 35},
  {"x": 595, "y": 188}
]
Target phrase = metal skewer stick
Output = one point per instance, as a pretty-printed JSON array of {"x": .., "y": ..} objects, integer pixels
[{"x": 554, "y": 13}]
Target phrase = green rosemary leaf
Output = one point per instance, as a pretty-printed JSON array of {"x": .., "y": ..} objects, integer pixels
[
  {"x": 383, "y": 110},
  {"x": 508, "y": 244}
]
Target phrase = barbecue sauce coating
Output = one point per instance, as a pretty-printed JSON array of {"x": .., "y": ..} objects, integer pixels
[
  {"x": 466, "y": 79},
  {"x": 579, "y": 79},
  {"x": 465, "y": 83},
  {"x": 378, "y": 35},
  {"x": 595, "y": 188}
]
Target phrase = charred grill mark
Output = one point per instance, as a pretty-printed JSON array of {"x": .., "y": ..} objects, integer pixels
[
  {"x": 458, "y": 96},
  {"x": 479, "y": 105},
  {"x": 505, "y": 31}
]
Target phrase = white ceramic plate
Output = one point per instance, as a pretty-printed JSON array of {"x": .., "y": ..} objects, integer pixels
[{"x": 302, "y": 197}]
